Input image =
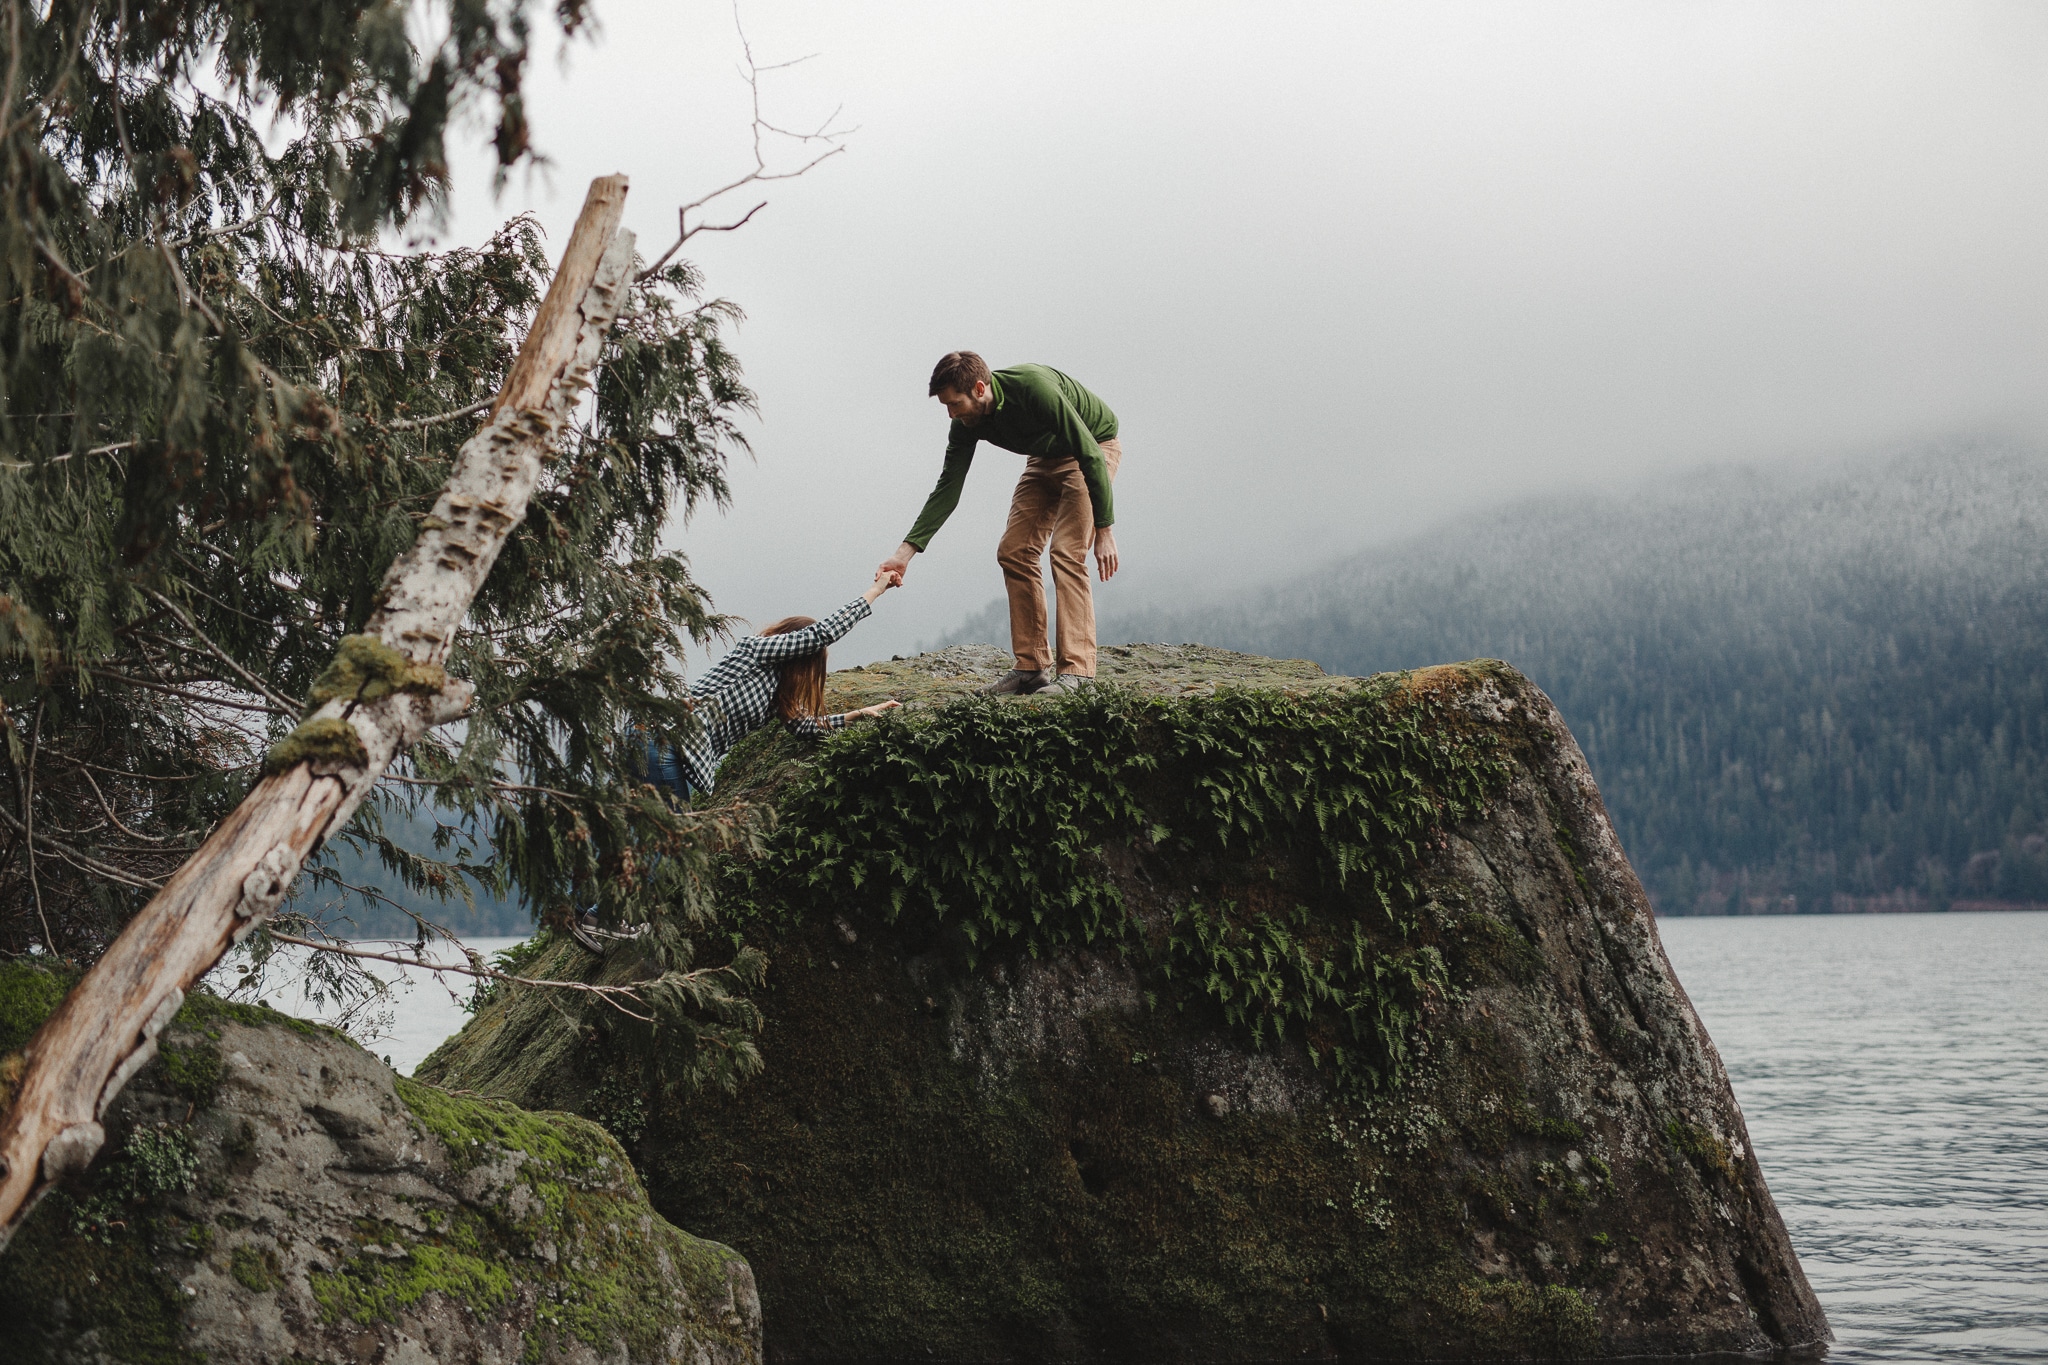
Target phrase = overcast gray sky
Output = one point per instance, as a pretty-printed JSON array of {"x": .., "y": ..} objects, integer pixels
[{"x": 1341, "y": 269}]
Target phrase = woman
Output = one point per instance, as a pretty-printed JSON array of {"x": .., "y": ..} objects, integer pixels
[{"x": 779, "y": 672}]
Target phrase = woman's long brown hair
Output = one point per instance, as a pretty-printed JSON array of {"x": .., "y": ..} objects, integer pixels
[{"x": 802, "y": 689}]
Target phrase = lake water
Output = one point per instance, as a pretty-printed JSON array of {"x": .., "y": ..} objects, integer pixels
[
  {"x": 1894, "y": 1073},
  {"x": 423, "y": 1009}
]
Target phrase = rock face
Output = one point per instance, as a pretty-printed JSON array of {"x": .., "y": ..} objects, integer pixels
[
  {"x": 985, "y": 1148},
  {"x": 270, "y": 1193}
]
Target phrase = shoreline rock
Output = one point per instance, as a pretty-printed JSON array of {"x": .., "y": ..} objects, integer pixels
[{"x": 271, "y": 1193}]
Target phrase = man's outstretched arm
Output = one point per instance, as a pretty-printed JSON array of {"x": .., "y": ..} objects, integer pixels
[{"x": 944, "y": 498}]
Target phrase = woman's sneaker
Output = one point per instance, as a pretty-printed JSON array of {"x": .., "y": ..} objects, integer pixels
[{"x": 585, "y": 931}]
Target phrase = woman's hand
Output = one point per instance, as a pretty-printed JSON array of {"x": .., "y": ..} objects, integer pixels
[
  {"x": 885, "y": 579},
  {"x": 877, "y": 709}
]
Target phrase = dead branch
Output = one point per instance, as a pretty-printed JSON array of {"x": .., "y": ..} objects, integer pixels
[
  {"x": 763, "y": 130},
  {"x": 84, "y": 862},
  {"x": 28, "y": 832},
  {"x": 244, "y": 674}
]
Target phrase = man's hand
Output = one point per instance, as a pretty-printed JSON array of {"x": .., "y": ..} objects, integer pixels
[
  {"x": 898, "y": 564},
  {"x": 1105, "y": 552}
]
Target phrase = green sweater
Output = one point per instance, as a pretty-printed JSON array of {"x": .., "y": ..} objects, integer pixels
[{"x": 1038, "y": 411}]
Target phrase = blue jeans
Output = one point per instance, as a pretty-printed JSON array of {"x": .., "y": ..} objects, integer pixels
[{"x": 664, "y": 768}]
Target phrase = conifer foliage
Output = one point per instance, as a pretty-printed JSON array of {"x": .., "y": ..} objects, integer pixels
[{"x": 226, "y": 403}]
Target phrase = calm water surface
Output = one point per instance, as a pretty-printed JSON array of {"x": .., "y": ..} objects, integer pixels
[{"x": 1894, "y": 1073}]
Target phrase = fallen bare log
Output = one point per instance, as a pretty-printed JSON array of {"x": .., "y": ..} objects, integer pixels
[{"x": 384, "y": 690}]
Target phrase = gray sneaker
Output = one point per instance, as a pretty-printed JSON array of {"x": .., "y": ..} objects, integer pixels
[
  {"x": 1019, "y": 682},
  {"x": 1069, "y": 682}
]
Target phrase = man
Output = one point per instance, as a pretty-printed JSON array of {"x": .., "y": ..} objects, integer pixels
[{"x": 1068, "y": 437}]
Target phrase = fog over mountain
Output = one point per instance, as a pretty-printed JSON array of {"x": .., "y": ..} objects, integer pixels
[
  {"x": 1818, "y": 688},
  {"x": 1341, "y": 269}
]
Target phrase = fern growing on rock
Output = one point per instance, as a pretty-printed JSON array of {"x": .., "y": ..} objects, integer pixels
[{"x": 1002, "y": 821}]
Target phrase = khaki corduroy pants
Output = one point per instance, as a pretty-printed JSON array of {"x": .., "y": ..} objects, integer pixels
[{"x": 1051, "y": 507}]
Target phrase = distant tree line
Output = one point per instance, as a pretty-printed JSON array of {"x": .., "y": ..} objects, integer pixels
[{"x": 1824, "y": 691}]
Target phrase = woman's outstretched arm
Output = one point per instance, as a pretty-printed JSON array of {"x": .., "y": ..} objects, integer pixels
[{"x": 775, "y": 649}]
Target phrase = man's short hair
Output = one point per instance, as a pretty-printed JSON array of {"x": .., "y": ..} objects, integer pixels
[{"x": 959, "y": 371}]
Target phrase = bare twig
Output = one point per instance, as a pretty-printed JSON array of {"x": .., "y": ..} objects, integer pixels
[
  {"x": 85, "y": 771},
  {"x": 287, "y": 712},
  {"x": 284, "y": 702},
  {"x": 28, "y": 815},
  {"x": 121, "y": 124},
  {"x": 60, "y": 459},
  {"x": 414, "y": 423},
  {"x": 226, "y": 229},
  {"x": 835, "y": 140}
]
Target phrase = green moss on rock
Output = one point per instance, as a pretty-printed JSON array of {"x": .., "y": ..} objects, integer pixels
[
  {"x": 117, "y": 1290},
  {"x": 398, "y": 1269},
  {"x": 30, "y": 992},
  {"x": 334, "y": 1210},
  {"x": 254, "y": 1268}
]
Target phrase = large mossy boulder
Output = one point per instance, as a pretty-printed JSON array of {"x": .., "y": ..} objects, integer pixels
[
  {"x": 271, "y": 1194},
  {"x": 1231, "y": 1012}
]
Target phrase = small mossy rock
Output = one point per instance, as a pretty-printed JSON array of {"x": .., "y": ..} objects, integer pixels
[
  {"x": 271, "y": 1193},
  {"x": 965, "y": 1153}
]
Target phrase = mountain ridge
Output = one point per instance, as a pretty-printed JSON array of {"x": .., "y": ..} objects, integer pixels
[{"x": 1813, "y": 689}]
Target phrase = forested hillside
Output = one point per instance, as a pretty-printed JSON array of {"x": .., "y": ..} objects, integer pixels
[{"x": 1817, "y": 690}]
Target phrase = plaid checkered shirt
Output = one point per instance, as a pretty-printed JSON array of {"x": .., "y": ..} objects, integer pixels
[{"x": 735, "y": 698}]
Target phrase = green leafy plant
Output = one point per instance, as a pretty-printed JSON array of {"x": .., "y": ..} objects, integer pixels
[
  {"x": 155, "y": 1161},
  {"x": 513, "y": 961},
  {"x": 998, "y": 819}
]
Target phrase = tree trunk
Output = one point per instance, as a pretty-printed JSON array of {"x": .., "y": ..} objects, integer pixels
[{"x": 394, "y": 692}]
